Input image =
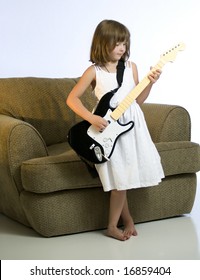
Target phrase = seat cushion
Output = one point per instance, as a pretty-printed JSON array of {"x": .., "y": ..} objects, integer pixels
[
  {"x": 64, "y": 170},
  {"x": 57, "y": 172}
]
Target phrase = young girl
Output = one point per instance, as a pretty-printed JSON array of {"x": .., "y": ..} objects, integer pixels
[{"x": 135, "y": 161}]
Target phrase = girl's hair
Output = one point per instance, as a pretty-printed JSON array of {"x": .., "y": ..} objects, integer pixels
[{"x": 107, "y": 34}]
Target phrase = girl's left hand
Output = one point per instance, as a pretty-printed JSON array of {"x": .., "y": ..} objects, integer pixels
[{"x": 154, "y": 75}]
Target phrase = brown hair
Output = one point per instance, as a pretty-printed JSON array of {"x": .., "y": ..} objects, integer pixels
[{"x": 107, "y": 34}]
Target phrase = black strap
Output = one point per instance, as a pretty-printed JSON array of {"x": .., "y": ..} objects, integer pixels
[{"x": 120, "y": 72}]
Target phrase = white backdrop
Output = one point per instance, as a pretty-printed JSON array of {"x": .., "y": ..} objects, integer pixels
[{"x": 51, "y": 38}]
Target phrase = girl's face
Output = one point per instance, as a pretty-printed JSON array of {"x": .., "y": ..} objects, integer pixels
[{"x": 118, "y": 51}]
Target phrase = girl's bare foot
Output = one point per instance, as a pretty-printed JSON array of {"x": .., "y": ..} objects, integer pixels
[
  {"x": 117, "y": 233},
  {"x": 130, "y": 229}
]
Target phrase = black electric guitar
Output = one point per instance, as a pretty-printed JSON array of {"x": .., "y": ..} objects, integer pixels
[{"x": 97, "y": 147}]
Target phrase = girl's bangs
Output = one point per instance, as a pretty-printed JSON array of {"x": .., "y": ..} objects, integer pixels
[{"x": 121, "y": 35}]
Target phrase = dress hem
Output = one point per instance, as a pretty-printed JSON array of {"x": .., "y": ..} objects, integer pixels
[{"x": 144, "y": 185}]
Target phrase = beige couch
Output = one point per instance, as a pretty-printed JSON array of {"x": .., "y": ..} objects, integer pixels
[{"x": 44, "y": 185}]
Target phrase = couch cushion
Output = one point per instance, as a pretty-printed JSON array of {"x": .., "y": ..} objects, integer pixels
[
  {"x": 64, "y": 170},
  {"x": 179, "y": 157},
  {"x": 57, "y": 172}
]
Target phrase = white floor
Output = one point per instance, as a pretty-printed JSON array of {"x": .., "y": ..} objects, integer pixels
[{"x": 170, "y": 239}]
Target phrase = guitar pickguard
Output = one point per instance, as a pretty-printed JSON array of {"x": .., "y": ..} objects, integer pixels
[{"x": 107, "y": 139}]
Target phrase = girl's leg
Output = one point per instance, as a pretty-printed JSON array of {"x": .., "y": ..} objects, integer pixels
[
  {"x": 128, "y": 221},
  {"x": 117, "y": 199}
]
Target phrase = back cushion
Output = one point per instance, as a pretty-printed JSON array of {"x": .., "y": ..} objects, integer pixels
[{"x": 42, "y": 103}]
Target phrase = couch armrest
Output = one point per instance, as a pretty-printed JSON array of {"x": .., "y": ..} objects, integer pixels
[
  {"x": 19, "y": 141},
  {"x": 167, "y": 123}
]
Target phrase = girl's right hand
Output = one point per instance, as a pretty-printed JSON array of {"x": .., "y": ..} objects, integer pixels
[{"x": 99, "y": 122}]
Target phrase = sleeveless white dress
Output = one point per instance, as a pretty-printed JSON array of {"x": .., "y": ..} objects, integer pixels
[{"x": 135, "y": 161}]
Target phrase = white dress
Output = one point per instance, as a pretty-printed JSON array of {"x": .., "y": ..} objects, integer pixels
[{"x": 135, "y": 161}]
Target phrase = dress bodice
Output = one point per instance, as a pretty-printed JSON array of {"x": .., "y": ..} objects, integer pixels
[{"x": 106, "y": 81}]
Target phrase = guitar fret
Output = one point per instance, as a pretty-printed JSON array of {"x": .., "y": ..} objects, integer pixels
[
  {"x": 124, "y": 105},
  {"x": 127, "y": 101}
]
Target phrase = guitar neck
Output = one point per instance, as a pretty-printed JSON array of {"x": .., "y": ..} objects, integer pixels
[{"x": 128, "y": 100}]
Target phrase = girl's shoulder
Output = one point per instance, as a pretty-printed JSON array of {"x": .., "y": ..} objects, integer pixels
[
  {"x": 134, "y": 71},
  {"x": 96, "y": 67},
  {"x": 89, "y": 73},
  {"x": 133, "y": 68},
  {"x": 90, "y": 69},
  {"x": 87, "y": 78},
  {"x": 130, "y": 64}
]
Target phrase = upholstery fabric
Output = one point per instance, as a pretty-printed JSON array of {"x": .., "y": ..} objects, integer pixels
[
  {"x": 29, "y": 100},
  {"x": 167, "y": 123},
  {"x": 44, "y": 184}
]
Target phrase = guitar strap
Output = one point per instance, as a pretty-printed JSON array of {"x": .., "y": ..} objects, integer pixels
[{"x": 120, "y": 72}]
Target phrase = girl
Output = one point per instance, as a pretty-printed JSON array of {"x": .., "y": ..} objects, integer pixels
[{"x": 135, "y": 161}]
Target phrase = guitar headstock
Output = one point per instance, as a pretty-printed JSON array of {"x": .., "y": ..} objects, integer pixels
[{"x": 170, "y": 55}]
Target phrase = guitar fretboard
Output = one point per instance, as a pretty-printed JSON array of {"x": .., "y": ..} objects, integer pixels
[{"x": 128, "y": 100}]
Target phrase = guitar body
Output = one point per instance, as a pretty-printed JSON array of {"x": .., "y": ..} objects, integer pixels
[{"x": 92, "y": 145}]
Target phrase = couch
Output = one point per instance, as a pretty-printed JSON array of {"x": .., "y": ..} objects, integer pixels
[{"x": 43, "y": 183}]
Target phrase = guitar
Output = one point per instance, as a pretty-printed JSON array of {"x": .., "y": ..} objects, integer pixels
[{"x": 97, "y": 147}]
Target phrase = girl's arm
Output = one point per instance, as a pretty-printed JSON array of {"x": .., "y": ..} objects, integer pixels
[
  {"x": 74, "y": 102},
  {"x": 153, "y": 77}
]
